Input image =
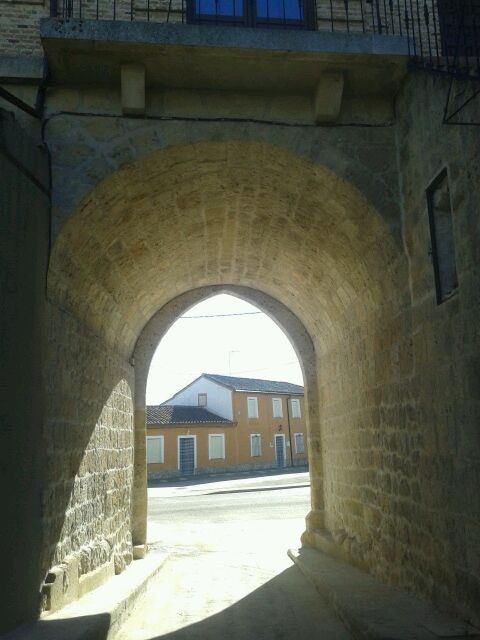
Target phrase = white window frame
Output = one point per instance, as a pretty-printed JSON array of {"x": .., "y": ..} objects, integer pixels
[
  {"x": 252, "y": 436},
  {"x": 162, "y": 439},
  {"x": 295, "y": 402},
  {"x": 198, "y": 399},
  {"x": 256, "y": 407},
  {"x": 194, "y": 450},
  {"x": 216, "y": 435},
  {"x": 277, "y": 402},
  {"x": 303, "y": 442}
]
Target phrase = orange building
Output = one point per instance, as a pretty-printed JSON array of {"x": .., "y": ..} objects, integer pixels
[{"x": 224, "y": 423}]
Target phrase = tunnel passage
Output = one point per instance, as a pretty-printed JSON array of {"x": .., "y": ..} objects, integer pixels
[{"x": 226, "y": 214}]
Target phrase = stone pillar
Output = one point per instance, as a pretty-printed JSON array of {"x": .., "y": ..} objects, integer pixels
[
  {"x": 140, "y": 495},
  {"x": 315, "y": 519}
]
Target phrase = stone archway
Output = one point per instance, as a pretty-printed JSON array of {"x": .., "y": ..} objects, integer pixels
[
  {"x": 142, "y": 356},
  {"x": 247, "y": 216}
]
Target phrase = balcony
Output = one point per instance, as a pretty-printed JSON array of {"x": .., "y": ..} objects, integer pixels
[{"x": 264, "y": 46}]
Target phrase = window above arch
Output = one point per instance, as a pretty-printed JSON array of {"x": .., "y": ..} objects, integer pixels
[{"x": 297, "y": 14}]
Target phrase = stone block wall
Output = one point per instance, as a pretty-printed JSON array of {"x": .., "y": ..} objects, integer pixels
[
  {"x": 89, "y": 450},
  {"x": 19, "y": 26},
  {"x": 446, "y": 344},
  {"x": 400, "y": 393}
]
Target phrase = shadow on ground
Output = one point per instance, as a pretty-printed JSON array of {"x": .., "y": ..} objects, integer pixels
[{"x": 284, "y": 608}]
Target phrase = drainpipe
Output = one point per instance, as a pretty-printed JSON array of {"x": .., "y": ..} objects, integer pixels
[{"x": 289, "y": 433}]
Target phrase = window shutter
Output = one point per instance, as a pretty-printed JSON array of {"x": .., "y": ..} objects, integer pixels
[
  {"x": 216, "y": 449},
  {"x": 277, "y": 407},
  {"x": 299, "y": 444},
  {"x": 255, "y": 445},
  {"x": 296, "y": 413},
  {"x": 252, "y": 406},
  {"x": 154, "y": 449}
]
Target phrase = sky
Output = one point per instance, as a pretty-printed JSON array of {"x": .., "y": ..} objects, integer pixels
[{"x": 250, "y": 345}]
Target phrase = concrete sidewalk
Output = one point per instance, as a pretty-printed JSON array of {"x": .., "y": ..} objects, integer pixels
[
  {"x": 225, "y": 483},
  {"x": 99, "y": 614},
  {"x": 372, "y": 610}
]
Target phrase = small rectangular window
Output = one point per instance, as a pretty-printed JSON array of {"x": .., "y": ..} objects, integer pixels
[
  {"x": 277, "y": 407},
  {"x": 299, "y": 443},
  {"x": 216, "y": 446},
  {"x": 255, "y": 445},
  {"x": 296, "y": 412},
  {"x": 252, "y": 406},
  {"x": 202, "y": 399},
  {"x": 155, "y": 452},
  {"x": 442, "y": 238}
]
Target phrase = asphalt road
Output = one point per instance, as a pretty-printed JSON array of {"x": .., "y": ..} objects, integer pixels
[
  {"x": 228, "y": 574},
  {"x": 224, "y": 501}
]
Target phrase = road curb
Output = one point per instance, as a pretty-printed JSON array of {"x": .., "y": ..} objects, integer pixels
[
  {"x": 99, "y": 614},
  {"x": 372, "y": 610}
]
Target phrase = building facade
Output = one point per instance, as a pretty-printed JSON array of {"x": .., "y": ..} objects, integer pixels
[
  {"x": 319, "y": 160},
  {"x": 225, "y": 423}
]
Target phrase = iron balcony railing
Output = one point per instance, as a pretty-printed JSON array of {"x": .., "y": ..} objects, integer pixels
[{"x": 443, "y": 35}]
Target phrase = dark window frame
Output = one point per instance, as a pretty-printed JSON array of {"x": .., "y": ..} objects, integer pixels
[
  {"x": 250, "y": 19},
  {"x": 441, "y": 297}
]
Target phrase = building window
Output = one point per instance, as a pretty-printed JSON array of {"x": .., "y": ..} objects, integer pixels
[
  {"x": 155, "y": 453},
  {"x": 296, "y": 411},
  {"x": 202, "y": 399},
  {"x": 442, "y": 239},
  {"x": 216, "y": 446},
  {"x": 299, "y": 443},
  {"x": 252, "y": 407},
  {"x": 277, "y": 407},
  {"x": 253, "y": 13},
  {"x": 255, "y": 445}
]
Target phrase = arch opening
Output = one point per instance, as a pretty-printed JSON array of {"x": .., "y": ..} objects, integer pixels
[{"x": 144, "y": 351}]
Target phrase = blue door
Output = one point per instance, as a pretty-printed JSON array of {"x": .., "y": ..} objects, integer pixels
[
  {"x": 186, "y": 452},
  {"x": 280, "y": 450}
]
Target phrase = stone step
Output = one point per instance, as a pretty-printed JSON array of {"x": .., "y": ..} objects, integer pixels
[
  {"x": 373, "y": 610},
  {"x": 99, "y": 614}
]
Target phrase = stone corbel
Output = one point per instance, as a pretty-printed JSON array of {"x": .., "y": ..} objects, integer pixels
[
  {"x": 133, "y": 89},
  {"x": 327, "y": 100}
]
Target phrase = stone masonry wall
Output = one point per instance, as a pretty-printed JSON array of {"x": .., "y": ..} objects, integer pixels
[
  {"x": 19, "y": 24},
  {"x": 89, "y": 449},
  {"x": 400, "y": 394},
  {"x": 446, "y": 346}
]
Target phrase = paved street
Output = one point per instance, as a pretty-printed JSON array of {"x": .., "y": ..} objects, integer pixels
[{"x": 228, "y": 573}]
